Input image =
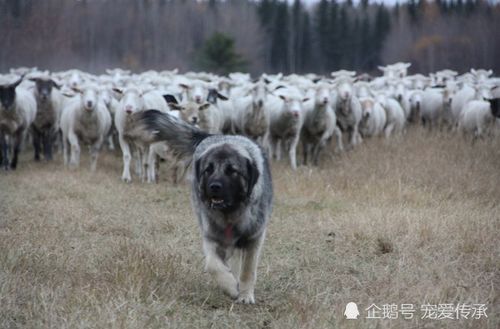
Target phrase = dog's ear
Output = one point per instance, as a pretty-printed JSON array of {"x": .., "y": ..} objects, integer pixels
[
  {"x": 197, "y": 172},
  {"x": 252, "y": 176}
]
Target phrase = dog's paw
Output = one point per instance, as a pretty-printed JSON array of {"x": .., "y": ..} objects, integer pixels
[
  {"x": 229, "y": 284},
  {"x": 246, "y": 298}
]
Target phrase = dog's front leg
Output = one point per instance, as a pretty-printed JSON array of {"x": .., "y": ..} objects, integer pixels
[
  {"x": 249, "y": 271},
  {"x": 218, "y": 269}
]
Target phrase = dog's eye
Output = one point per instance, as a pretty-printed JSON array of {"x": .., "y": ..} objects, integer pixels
[
  {"x": 230, "y": 170},
  {"x": 210, "y": 169}
]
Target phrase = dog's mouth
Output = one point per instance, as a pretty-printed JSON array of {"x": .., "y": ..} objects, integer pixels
[{"x": 217, "y": 203}]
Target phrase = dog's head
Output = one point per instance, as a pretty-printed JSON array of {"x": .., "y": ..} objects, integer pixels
[{"x": 226, "y": 178}]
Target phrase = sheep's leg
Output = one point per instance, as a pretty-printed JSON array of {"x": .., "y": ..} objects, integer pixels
[
  {"x": 277, "y": 149},
  {"x": 36, "y": 143},
  {"x": 359, "y": 139},
  {"x": 293, "y": 152},
  {"x": 18, "y": 139},
  {"x": 305, "y": 150},
  {"x": 5, "y": 152},
  {"x": 151, "y": 174},
  {"x": 111, "y": 143},
  {"x": 338, "y": 135},
  {"x": 48, "y": 139},
  {"x": 388, "y": 130},
  {"x": 316, "y": 151},
  {"x": 145, "y": 164},
  {"x": 75, "y": 150},
  {"x": 94, "y": 152},
  {"x": 127, "y": 156},
  {"x": 66, "y": 150},
  {"x": 138, "y": 161}
]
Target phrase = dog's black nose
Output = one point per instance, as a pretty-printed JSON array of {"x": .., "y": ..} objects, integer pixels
[{"x": 215, "y": 186}]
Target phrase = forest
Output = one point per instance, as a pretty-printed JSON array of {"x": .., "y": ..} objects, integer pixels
[{"x": 256, "y": 36}]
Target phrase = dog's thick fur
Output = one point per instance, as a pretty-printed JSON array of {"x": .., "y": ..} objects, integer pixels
[{"x": 231, "y": 195}]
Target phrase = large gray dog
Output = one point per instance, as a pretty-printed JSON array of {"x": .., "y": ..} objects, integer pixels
[{"x": 231, "y": 195}]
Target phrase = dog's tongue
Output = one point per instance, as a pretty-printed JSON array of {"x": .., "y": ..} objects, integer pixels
[{"x": 228, "y": 232}]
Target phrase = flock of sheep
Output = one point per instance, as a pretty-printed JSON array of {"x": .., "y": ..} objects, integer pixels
[{"x": 74, "y": 108}]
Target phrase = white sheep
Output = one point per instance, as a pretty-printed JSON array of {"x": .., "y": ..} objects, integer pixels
[
  {"x": 134, "y": 99},
  {"x": 477, "y": 118},
  {"x": 17, "y": 112},
  {"x": 85, "y": 119},
  {"x": 432, "y": 107},
  {"x": 373, "y": 118},
  {"x": 460, "y": 98},
  {"x": 395, "y": 117},
  {"x": 286, "y": 119},
  {"x": 251, "y": 116},
  {"x": 348, "y": 110},
  {"x": 320, "y": 123}
]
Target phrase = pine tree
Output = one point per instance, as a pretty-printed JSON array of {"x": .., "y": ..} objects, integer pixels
[
  {"x": 382, "y": 26},
  {"x": 306, "y": 46},
  {"x": 280, "y": 39},
  {"x": 218, "y": 55},
  {"x": 323, "y": 30},
  {"x": 343, "y": 49}
]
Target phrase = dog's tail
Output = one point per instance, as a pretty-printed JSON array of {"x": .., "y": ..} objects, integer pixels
[{"x": 180, "y": 136}]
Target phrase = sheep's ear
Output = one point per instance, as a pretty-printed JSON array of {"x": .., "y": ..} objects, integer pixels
[
  {"x": 175, "y": 107},
  {"x": 282, "y": 97},
  {"x": 170, "y": 99},
  {"x": 15, "y": 84},
  {"x": 490, "y": 72},
  {"x": 279, "y": 87},
  {"x": 204, "y": 106},
  {"x": 33, "y": 79},
  {"x": 184, "y": 86},
  {"x": 305, "y": 99},
  {"x": 220, "y": 96},
  {"x": 55, "y": 85},
  {"x": 77, "y": 90},
  {"x": 473, "y": 71},
  {"x": 381, "y": 68},
  {"x": 118, "y": 91},
  {"x": 68, "y": 93}
]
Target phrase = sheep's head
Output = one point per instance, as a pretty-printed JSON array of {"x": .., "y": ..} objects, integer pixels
[
  {"x": 293, "y": 105},
  {"x": 259, "y": 94},
  {"x": 400, "y": 91},
  {"x": 367, "y": 108},
  {"x": 43, "y": 88},
  {"x": 191, "y": 112},
  {"x": 344, "y": 89},
  {"x": 74, "y": 79},
  {"x": 90, "y": 96},
  {"x": 197, "y": 91},
  {"x": 322, "y": 94},
  {"x": 8, "y": 94},
  {"x": 213, "y": 95},
  {"x": 416, "y": 100},
  {"x": 131, "y": 101},
  {"x": 483, "y": 91}
]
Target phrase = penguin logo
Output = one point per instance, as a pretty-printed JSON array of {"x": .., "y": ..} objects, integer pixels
[{"x": 351, "y": 311}]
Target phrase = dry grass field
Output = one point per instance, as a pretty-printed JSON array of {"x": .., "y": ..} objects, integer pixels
[{"x": 408, "y": 221}]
